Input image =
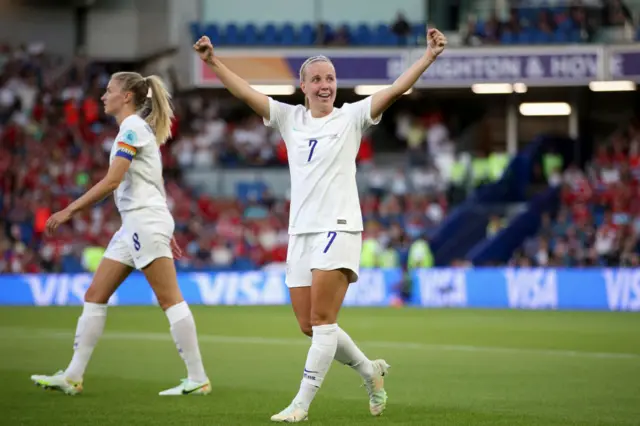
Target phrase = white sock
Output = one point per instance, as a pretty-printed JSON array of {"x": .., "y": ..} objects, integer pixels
[
  {"x": 321, "y": 353},
  {"x": 183, "y": 330},
  {"x": 349, "y": 354},
  {"x": 88, "y": 331}
]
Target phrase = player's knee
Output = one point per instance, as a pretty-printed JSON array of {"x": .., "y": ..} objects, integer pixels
[
  {"x": 322, "y": 318},
  {"x": 167, "y": 301},
  {"x": 306, "y": 329},
  {"x": 95, "y": 294},
  {"x": 167, "y": 296}
]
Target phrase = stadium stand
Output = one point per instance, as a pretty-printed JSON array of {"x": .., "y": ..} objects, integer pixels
[
  {"x": 536, "y": 22},
  {"x": 54, "y": 138},
  {"x": 598, "y": 219}
]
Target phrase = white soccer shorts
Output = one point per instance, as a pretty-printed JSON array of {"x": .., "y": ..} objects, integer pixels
[
  {"x": 145, "y": 235},
  {"x": 325, "y": 251}
]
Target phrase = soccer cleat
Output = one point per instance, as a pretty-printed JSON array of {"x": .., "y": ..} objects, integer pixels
[
  {"x": 375, "y": 387},
  {"x": 189, "y": 387},
  {"x": 58, "y": 382},
  {"x": 291, "y": 414}
]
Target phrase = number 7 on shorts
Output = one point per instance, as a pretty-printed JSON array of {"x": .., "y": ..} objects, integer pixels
[{"x": 332, "y": 236}]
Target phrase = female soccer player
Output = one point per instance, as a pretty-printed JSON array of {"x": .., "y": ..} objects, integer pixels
[
  {"x": 325, "y": 222},
  {"x": 145, "y": 239}
]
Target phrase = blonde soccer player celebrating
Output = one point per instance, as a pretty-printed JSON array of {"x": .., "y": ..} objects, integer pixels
[
  {"x": 325, "y": 222},
  {"x": 145, "y": 240}
]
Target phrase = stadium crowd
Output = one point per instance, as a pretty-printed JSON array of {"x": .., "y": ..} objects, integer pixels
[
  {"x": 507, "y": 22},
  {"x": 55, "y": 141},
  {"x": 575, "y": 22},
  {"x": 598, "y": 223}
]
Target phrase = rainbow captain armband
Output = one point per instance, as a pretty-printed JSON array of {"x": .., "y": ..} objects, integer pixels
[{"x": 126, "y": 151}]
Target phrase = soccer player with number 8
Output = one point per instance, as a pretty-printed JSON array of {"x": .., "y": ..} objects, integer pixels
[{"x": 145, "y": 239}]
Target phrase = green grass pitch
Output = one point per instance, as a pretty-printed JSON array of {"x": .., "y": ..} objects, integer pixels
[{"x": 448, "y": 367}]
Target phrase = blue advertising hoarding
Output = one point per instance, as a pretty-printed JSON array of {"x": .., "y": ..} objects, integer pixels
[{"x": 556, "y": 289}]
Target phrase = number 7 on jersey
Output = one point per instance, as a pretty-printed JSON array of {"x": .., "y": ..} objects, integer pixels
[
  {"x": 332, "y": 236},
  {"x": 312, "y": 145}
]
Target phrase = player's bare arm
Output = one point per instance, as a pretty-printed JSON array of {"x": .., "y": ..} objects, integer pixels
[{"x": 384, "y": 98}]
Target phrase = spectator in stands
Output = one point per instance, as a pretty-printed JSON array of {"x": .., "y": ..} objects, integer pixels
[
  {"x": 545, "y": 24},
  {"x": 542, "y": 253},
  {"x": 377, "y": 182},
  {"x": 616, "y": 13},
  {"x": 435, "y": 209},
  {"x": 420, "y": 255},
  {"x": 492, "y": 30},
  {"x": 323, "y": 34},
  {"x": 439, "y": 145},
  {"x": 401, "y": 28},
  {"x": 469, "y": 32},
  {"x": 341, "y": 37},
  {"x": 582, "y": 22},
  {"x": 606, "y": 242},
  {"x": 495, "y": 225},
  {"x": 399, "y": 183},
  {"x": 427, "y": 180},
  {"x": 415, "y": 137}
]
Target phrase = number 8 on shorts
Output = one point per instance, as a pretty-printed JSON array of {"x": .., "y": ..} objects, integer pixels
[{"x": 136, "y": 241}]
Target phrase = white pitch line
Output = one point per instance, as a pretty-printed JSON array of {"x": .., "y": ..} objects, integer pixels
[{"x": 210, "y": 338}]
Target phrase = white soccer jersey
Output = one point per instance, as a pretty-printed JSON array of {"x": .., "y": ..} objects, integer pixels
[
  {"x": 143, "y": 185},
  {"x": 322, "y": 164}
]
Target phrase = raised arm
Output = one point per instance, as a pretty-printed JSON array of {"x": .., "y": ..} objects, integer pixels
[
  {"x": 384, "y": 98},
  {"x": 234, "y": 83}
]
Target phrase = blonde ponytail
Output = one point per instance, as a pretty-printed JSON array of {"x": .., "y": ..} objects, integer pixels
[
  {"x": 161, "y": 110},
  {"x": 151, "y": 100}
]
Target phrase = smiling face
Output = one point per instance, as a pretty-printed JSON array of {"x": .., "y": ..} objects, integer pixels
[{"x": 319, "y": 85}]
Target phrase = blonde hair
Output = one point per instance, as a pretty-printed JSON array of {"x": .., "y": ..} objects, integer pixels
[
  {"x": 151, "y": 100},
  {"x": 303, "y": 67}
]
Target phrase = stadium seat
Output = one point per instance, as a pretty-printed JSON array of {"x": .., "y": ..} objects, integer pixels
[
  {"x": 525, "y": 37},
  {"x": 362, "y": 35},
  {"x": 541, "y": 37},
  {"x": 196, "y": 31},
  {"x": 418, "y": 30},
  {"x": 575, "y": 36},
  {"x": 270, "y": 35},
  {"x": 566, "y": 25},
  {"x": 529, "y": 14},
  {"x": 508, "y": 38},
  {"x": 250, "y": 191},
  {"x": 557, "y": 10},
  {"x": 288, "y": 35},
  {"x": 233, "y": 35},
  {"x": 381, "y": 35},
  {"x": 307, "y": 35},
  {"x": 561, "y": 36},
  {"x": 392, "y": 39},
  {"x": 213, "y": 32},
  {"x": 251, "y": 36}
]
